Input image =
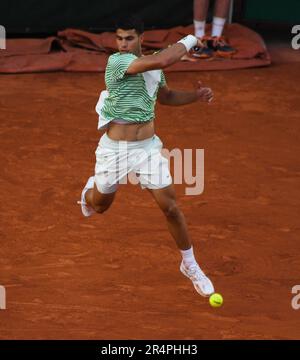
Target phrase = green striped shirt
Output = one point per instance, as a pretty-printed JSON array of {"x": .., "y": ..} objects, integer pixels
[{"x": 131, "y": 97}]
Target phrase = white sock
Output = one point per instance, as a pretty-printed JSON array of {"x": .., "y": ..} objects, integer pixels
[
  {"x": 199, "y": 28},
  {"x": 217, "y": 26},
  {"x": 188, "y": 257}
]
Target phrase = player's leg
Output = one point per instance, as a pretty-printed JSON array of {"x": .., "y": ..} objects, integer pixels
[
  {"x": 98, "y": 201},
  {"x": 99, "y": 191},
  {"x": 154, "y": 175},
  {"x": 93, "y": 200},
  {"x": 166, "y": 200}
]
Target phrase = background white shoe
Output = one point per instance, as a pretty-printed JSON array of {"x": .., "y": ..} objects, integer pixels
[
  {"x": 201, "y": 282},
  {"x": 85, "y": 208}
]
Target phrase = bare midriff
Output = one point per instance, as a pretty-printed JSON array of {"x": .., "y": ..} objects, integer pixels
[{"x": 130, "y": 132}]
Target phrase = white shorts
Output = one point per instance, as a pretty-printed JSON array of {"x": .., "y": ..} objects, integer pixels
[{"x": 116, "y": 159}]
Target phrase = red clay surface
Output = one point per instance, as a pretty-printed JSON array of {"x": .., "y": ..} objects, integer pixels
[{"x": 116, "y": 275}]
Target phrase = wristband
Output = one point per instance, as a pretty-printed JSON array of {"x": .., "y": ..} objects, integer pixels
[{"x": 189, "y": 42}]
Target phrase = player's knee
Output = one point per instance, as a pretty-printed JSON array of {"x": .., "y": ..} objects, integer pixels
[{"x": 100, "y": 209}]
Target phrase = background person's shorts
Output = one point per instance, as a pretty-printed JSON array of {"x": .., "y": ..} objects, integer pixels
[{"x": 115, "y": 159}]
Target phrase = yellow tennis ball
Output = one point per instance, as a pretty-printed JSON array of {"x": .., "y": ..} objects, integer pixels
[{"x": 216, "y": 300}]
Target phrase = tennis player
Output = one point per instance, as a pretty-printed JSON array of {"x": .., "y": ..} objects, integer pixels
[{"x": 126, "y": 110}]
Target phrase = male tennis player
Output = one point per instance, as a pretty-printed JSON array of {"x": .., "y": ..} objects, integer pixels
[{"x": 126, "y": 110}]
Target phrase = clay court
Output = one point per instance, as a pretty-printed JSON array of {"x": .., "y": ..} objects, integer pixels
[{"x": 116, "y": 275}]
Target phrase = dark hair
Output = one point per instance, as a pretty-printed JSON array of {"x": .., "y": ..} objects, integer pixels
[{"x": 128, "y": 22}]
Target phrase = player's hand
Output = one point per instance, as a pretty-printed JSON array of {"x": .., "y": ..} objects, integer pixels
[{"x": 204, "y": 94}]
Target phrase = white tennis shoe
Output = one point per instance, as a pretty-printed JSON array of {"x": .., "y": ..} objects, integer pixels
[
  {"x": 85, "y": 208},
  {"x": 201, "y": 282}
]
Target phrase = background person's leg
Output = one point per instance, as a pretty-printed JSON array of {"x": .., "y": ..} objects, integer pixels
[
  {"x": 218, "y": 42},
  {"x": 200, "y": 9},
  {"x": 220, "y": 15},
  {"x": 221, "y": 9},
  {"x": 200, "y": 14}
]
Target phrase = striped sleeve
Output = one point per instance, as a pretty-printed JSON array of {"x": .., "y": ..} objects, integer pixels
[
  {"x": 163, "y": 81},
  {"x": 119, "y": 64}
]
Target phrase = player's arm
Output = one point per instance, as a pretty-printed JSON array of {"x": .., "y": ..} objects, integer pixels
[
  {"x": 167, "y": 96},
  {"x": 165, "y": 57}
]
